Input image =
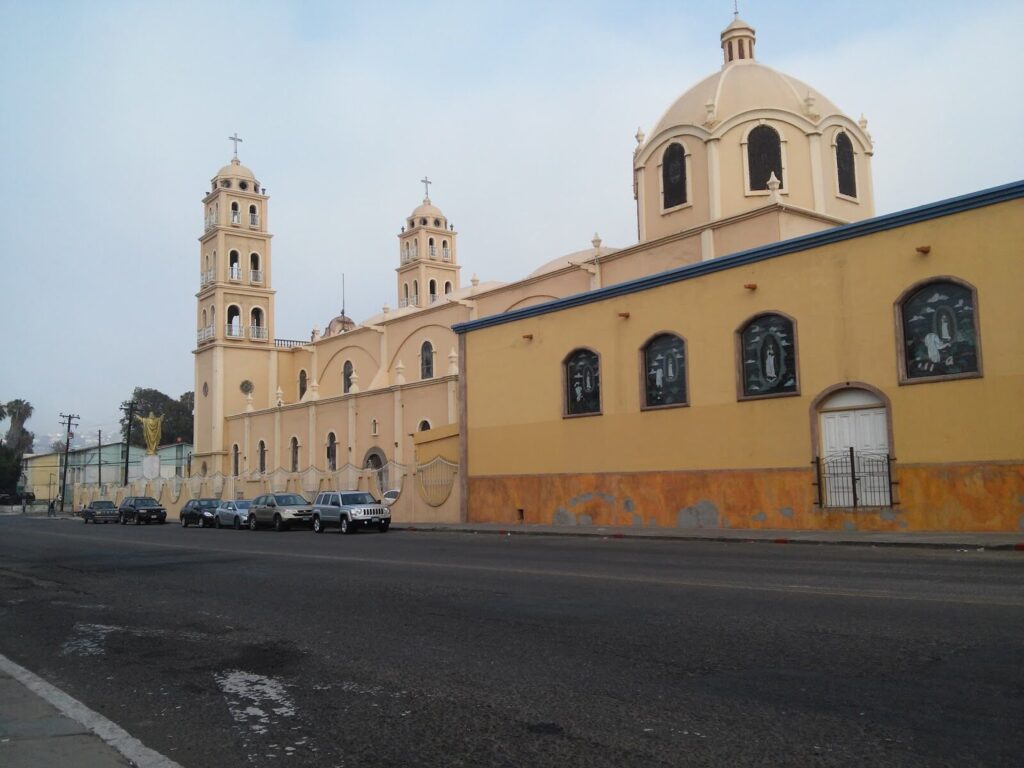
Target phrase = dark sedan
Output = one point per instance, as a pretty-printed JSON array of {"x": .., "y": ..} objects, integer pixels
[
  {"x": 198, "y": 512},
  {"x": 141, "y": 509},
  {"x": 100, "y": 511}
]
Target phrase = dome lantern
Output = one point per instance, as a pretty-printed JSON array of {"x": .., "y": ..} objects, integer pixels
[{"x": 737, "y": 42}]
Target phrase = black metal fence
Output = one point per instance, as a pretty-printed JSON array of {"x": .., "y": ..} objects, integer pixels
[{"x": 854, "y": 479}]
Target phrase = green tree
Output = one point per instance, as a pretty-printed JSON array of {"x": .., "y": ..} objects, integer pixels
[
  {"x": 177, "y": 415},
  {"x": 18, "y": 439}
]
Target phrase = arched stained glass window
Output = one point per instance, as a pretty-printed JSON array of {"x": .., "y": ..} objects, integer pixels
[
  {"x": 768, "y": 356},
  {"x": 764, "y": 157},
  {"x": 426, "y": 361},
  {"x": 665, "y": 371},
  {"x": 673, "y": 176},
  {"x": 302, "y": 384},
  {"x": 940, "y": 331},
  {"x": 845, "y": 168},
  {"x": 582, "y": 382}
]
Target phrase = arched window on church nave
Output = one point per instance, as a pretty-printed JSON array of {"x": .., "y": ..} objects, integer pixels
[
  {"x": 332, "y": 452},
  {"x": 255, "y": 273},
  {"x": 581, "y": 371},
  {"x": 236, "y": 217},
  {"x": 431, "y": 249},
  {"x": 764, "y": 157},
  {"x": 766, "y": 349},
  {"x": 233, "y": 328},
  {"x": 447, "y": 287},
  {"x": 346, "y": 377},
  {"x": 846, "y": 170},
  {"x": 234, "y": 460},
  {"x": 664, "y": 358},
  {"x": 261, "y": 452},
  {"x": 426, "y": 360},
  {"x": 424, "y": 426},
  {"x": 257, "y": 329},
  {"x": 254, "y": 216},
  {"x": 939, "y": 336},
  {"x": 433, "y": 291},
  {"x": 295, "y": 454},
  {"x": 673, "y": 176},
  {"x": 234, "y": 266},
  {"x": 302, "y": 384},
  {"x": 446, "y": 254}
]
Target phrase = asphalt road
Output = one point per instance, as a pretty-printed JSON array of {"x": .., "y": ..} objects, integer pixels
[{"x": 232, "y": 648}]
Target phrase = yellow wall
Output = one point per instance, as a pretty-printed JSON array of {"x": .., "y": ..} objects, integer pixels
[{"x": 842, "y": 297}]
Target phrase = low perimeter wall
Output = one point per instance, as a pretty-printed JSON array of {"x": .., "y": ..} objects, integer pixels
[{"x": 948, "y": 497}]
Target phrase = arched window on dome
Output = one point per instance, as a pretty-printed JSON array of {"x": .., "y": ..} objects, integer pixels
[
  {"x": 764, "y": 157},
  {"x": 846, "y": 169},
  {"x": 234, "y": 266},
  {"x": 426, "y": 360},
  {"x": 673, "y": 176},
  {"x": 346, "y": 377}
]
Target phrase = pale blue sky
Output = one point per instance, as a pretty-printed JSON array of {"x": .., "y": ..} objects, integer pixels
[{"x": 114, "y": 116}]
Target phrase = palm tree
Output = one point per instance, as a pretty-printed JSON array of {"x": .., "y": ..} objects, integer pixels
[{"x": 19, "y": 411}]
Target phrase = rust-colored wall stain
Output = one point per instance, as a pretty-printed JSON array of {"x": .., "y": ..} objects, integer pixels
[{"x": 964, "y": 497}]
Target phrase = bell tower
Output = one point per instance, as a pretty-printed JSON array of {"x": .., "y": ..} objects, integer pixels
[
  {"x": 428, "y": 270},
  {"x": 234, "y": 308}
]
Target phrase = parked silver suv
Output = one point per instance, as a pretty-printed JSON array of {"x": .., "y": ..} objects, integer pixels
[
  {"x": 282, "y": 510},
  {"x": 349, "y": 511}
]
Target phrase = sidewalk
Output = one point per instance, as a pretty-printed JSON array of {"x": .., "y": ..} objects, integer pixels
[
  {"x": 41, "y": 727},
  {"x": 932, "y": 540}
]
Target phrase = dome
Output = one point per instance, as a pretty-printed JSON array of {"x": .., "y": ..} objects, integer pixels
[
  {"x": 340, "y": 324},
  {"x": 427, "y": 208},
  {"x": 235, "y": 170},
  {"x": 571, "y": 259}
]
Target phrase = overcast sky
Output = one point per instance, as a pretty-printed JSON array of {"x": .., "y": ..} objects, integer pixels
[{"x": 115, "y": 115}]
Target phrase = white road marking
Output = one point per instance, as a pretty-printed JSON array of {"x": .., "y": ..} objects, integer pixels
[{"x": 114, "y": 735}]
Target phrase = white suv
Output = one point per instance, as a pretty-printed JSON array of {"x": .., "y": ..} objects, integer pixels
[{"x": 349, "y": 511}]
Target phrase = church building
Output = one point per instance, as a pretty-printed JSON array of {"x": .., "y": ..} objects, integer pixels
[{"x": 733, "y": 367}]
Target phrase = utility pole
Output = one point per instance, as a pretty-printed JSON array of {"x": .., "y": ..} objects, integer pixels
[
  {"x": 70, "y": 419},
  {"x": 99, "y": 457},
  {"x": 128, "y": 435}
]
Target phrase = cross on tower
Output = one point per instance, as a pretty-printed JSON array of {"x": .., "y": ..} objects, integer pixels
[
  {"x": 236, "y": 140},
  {"x": 426, "y": 186}
]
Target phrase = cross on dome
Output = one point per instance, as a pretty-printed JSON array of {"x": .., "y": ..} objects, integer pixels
[
  {"x": 236, "y": 140},
  {"x": 426, "y": 182}
]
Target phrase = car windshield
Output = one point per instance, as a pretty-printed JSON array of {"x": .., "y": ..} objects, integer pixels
[
  {"x": 243, "y": 504},
  {"x": 209, "y": 502},
  {"x": 290, "y": 499},
  {"x": 357, "y": 498},
  {"x": 103, "y": 505},
  {"x": 147, "y": 501}
]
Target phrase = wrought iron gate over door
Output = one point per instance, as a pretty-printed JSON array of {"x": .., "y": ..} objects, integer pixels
[{"x": 853, "y": 478}]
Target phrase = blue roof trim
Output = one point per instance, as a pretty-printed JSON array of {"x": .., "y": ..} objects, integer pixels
[{"x": 968, "y": 202}]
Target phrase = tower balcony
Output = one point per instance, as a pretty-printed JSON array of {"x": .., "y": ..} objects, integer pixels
[
  {"x": 234, "y": 272},
  {"x": 204, "y": 334},
  {"x": 409, "y": 301},
  {"x": 233, "y": 331},
  {"x": 257, "y": 333},
  {"x": 254, "y": 219},
  {"x": 255, "y": 275}
]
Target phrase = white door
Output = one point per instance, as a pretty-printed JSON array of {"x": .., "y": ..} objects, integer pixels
[{"x": 865, "y": 430}]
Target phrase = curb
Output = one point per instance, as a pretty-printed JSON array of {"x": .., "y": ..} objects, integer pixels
[{"x": 672, "y": 536}]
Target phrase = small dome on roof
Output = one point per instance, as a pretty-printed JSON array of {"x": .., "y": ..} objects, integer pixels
[
  {"x": 235, "y": 170},
  {"x": 340, "y": 324},
  {"x": 571, "y": 259}
]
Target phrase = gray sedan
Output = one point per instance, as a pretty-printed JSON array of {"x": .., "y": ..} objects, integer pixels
[{"x": 233, "y": 512}]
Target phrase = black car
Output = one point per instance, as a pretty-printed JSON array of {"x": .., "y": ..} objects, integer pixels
[
  {"x": 198, "y": 512},
  {"x": 141, "y": 509},
  {"x": 100, "y": 511}
]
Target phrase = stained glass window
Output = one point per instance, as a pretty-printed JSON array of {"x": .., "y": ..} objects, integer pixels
[
  {"x": 583, "y": 383},
  {"x": 302, "y": 384},
  {"x": 346, "y": 377},
  {"x": 665, "y": 371},
  {"x": 940, "y": 334},
  {"x": 768, "y": 356},
  {"x": 845, "y": 165},
  {"x": 764, "y": 157},
  {"x": 426, "y": 361},
  {"x": 673, "y": 176}
]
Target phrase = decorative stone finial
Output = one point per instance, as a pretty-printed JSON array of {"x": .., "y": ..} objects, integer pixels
[
  {"x": 386, "y": 310},
  {"x": 811, "y": 106},
  {"x": 709, "y": 112},
  {"x": 596, "y": 242},
  {"x": 399, "y": 372},
  {"x": 474, "y": 281},
  {"x": 453, "y": 363},
  {"x": 248, "y": 402},
  {"x": 773, "y": 188},
  {"x": 354, "y": 379},
  {"x": 280, "y": 397},
  {"x": 315, "y": 334},
  {"x": 640, "y": 136}
]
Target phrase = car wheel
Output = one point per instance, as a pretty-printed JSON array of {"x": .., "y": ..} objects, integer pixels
[
  {"x": 216, "y": 521},
  {"x": 85, "y": 520},
  {"x": 318, "y": 527},
  {"x": 343, "y": 525},
  {"x": 184, "y": 521},
  {"x": 238, "y": 523},
  {"x": 121, "y": 519},
  {"x": 252, "y": 522},
  {"x": 137, "y": 521},
  {"x": 278, "y": 523}
]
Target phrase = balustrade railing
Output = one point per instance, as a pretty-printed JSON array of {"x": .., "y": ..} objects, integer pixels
[
  {"x": 236, "y": 218},
  {"x": 233, "y": 331},
  {"x": 288, "y": 343},
  {"x": 235, "y": 272},
  {"x": 258, "y": 333},
  {"x": 255, "y": 275},
  {"x": 254, "y": 219}
]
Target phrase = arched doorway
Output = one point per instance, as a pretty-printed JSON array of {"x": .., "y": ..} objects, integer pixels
[
  {"x": 376, "y": 460},
  {"x": 853, "y": 436}
]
